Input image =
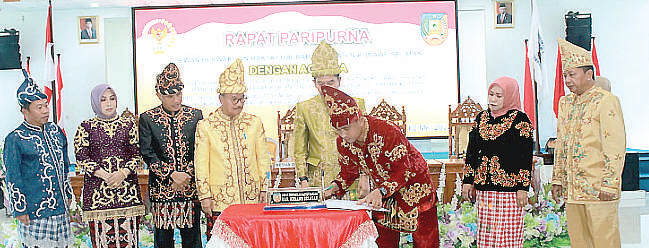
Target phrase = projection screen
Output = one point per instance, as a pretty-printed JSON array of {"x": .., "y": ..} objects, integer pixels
[{"x": 403, "y": 52}]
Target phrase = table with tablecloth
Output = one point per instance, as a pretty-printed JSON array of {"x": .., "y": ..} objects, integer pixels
[{"x": 249, "y": 225}]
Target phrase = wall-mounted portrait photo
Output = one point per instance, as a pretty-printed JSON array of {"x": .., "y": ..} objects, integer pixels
[
  {"x": 504, "y": 14},
  {"x": 88, "y": 29}
]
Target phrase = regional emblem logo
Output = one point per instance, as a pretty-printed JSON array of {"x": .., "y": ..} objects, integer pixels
[
  {"x": 434, "y": 28},
  {"x": 162, "y": 34},
  {"x": 277, "y": 198}
]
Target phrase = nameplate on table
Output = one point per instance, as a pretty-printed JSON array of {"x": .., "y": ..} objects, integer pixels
[
  {"x": 284, "y": 165},
  {"x": 294, "y": 195}
]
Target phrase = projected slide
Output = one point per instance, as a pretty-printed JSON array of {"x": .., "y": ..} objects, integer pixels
[{"x": 403, "y": 52}]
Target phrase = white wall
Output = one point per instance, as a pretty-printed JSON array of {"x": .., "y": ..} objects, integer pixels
[
  {"x": 472, "y": 57},
  {"x": 621, "y": 38},
  {"x": 620, "y": 29},
  {"x": 82, "y": 66}
]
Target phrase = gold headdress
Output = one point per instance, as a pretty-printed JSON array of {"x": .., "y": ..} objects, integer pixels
[
  {"x": 231, "y": 80},
  {"x": 573, "y": 56},
  {"x": 324, "y": 61}
]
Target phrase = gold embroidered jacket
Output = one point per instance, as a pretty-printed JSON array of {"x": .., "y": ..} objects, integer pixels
[
  {"x": 232, "y": 159},
  {"x": 390, "y": 161},
  {"x": 315, "y": 140},
  {"x": 167, "y": 145},
  {"x": 499, "y": 154},
  {"x": 590, "y": 145},
  {"x": 111, "y": 145}
]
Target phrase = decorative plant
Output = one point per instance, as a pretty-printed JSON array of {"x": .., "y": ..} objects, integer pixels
[{"x": 544, "y": 222}]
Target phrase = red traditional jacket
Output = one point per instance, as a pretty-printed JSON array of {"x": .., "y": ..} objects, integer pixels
[{"x": 393, "y": 163}]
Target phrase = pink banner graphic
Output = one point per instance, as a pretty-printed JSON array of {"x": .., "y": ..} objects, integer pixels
[{"x": 186, "y": 19}]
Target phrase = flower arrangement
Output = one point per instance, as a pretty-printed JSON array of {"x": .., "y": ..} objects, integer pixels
[
  {"x": 544, "y": 222},
  {"x": 457, "y": 226},
  {"x": 9, "y": 234},
  {"x": 80, "y": 229}
]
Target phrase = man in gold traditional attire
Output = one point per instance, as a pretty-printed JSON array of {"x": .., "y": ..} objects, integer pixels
[
  {"x": 589, "y": 153},
  {"x": 315, "y": 138},
  {"x": 232, "y": 156}
]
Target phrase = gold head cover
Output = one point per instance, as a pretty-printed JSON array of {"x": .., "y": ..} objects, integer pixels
[
  {"x": 573, "y": 56},
  {"x": 324, "y": 61},
  {"x": 231, "y": 80}
]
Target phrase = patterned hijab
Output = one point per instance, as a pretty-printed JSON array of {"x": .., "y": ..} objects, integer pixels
[
  {"x": 511, "y": 96},
  {"x": 95, "y": 100}
]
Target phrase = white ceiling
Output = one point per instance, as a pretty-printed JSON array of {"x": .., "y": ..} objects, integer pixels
[{"x": 81, "y": 4}]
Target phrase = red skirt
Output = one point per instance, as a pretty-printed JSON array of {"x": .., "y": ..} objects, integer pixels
[{"x": 500, "y": 220}]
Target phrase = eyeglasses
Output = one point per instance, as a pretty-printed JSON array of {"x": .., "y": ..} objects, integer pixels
[{"x": 239, "y": 100}]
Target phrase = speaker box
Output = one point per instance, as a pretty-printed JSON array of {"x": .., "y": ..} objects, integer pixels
[
  {"x": 9, "y": 50},
  {"x": 579, "y": 29}
]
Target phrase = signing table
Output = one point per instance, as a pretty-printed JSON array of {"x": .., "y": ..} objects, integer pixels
[
  {"x": 453, "y": 171},
  {"x": 248, "y": 225}
]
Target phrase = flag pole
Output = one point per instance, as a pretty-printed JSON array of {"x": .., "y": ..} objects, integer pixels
[
  {"x": 56, "y": 82},
  {"x": 537, "y": 146},
  {"x": 536, "y": 113},
  {"x": 53, "y": 82}
]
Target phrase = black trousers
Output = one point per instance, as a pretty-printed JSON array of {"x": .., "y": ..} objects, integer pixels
[{"x": 191, "y": 237}]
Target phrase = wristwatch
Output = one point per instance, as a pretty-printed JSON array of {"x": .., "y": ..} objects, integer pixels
[{"x": 383, "y": 191}]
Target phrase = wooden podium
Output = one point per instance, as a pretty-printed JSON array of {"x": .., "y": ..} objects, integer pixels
[{"x": 454, "y": 169}]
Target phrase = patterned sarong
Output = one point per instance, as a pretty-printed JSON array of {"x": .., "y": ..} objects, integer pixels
[
  {"x": 500, "y": 220},
  {"x": 47, "y": 232},
  {"x": 115, "y": 232},
  {"x": 170, "y": 215}
]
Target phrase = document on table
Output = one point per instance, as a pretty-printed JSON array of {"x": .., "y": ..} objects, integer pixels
[{"x": 350, "y": 205}]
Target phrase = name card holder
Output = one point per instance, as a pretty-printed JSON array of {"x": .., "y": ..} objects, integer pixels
[{"x": 294, "y": 198}]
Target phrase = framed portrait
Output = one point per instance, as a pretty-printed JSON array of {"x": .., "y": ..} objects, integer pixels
[
  {"x": 88, "y": 29},
  {"x": 504, "y": 14}
]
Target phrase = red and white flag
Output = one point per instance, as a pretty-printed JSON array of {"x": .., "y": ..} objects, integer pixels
[
  {"x": 59, "y": 95},
  {"x": 595, "y": 60},
  {"x": 558, "y": 84},
  {"x": 534, "y": 69},
  {"x": 50, "y": 68},
  {"x": 529, "y": 101}
]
